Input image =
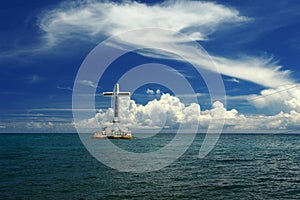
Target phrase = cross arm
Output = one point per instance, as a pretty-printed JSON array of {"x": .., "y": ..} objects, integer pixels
[
  {"x": 108, "y": 93},
  {"x": 124, "y": 94}
]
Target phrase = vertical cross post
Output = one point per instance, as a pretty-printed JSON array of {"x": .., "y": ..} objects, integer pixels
[{"x": 116, "y": 93}]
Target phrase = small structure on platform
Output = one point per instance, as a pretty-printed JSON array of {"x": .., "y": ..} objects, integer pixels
[{"x": 116, "y": 130}]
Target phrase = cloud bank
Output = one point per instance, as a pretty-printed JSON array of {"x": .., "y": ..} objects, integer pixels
[{"x": 169, "y": 112}]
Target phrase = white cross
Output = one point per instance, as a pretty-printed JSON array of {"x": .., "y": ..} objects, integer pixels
[{"x": 116, "y": 93}]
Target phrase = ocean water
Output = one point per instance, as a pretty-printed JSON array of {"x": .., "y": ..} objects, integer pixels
[{"x": 241, "y": 166}]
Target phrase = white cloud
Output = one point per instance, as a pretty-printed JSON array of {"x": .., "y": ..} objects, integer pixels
[
  {"x": 88, "y": 83},
  {"x": 169, "y": 111},
  {"x": 262, "y": 71},
  {"x": 158, "y": 92},
  {"x": 39, "y": 125},
  {"x": 150, "y": 91},
  {"x": 281, "y": 121},
  {"x": 284, "y": 98},
  {"x": 64, "y": 88},
  {"x": 34, "y": 79},
  {"x": 233, "y": 80},
  {"x": 93, "y": 18}
]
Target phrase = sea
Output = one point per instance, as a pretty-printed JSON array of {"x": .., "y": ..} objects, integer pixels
[{"x": 241, "y": 166}]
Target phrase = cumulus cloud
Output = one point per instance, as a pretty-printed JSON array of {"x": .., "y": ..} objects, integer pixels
[
  {"x": 169, "y": 112},
  {"x": 150, "y": 91},
  {"x": 283, "y": 98},
  {"x": 281, "y": 121},
  {"x": 157, "y": 92}
]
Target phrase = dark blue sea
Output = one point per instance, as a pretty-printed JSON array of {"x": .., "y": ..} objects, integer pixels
[{"x": 241, "y": 166}]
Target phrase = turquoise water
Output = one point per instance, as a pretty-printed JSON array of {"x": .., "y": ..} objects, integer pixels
[{"x": 57, "y": 166}]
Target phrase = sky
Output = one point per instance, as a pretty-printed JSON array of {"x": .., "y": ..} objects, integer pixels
[{"x": 253, "y": 45}]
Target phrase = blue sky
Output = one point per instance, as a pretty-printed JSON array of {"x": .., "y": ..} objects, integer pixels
[{"x": 256, "y": 45}]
